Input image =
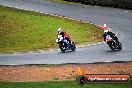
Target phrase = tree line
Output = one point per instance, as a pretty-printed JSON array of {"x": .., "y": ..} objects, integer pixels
[{"x": 110, "y": 3}]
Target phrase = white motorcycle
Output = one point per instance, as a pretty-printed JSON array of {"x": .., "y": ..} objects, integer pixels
[{"x": 113, "y": 44}]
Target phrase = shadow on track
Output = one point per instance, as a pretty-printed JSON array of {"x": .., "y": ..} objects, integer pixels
[
  {"x": 116, "y": 52},
  {"x": 66, "y": 52}
]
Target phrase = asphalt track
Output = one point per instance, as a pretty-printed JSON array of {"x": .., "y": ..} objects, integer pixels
[{"x": 120, "y": 20}]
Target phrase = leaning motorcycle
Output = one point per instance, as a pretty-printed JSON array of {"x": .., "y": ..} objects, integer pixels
[
  {"x": 64, "y": 44},
  {"x": 113, "y": 44}
]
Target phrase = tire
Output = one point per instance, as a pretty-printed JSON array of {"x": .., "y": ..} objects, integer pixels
[
  {"x": 120, "y": 46},
  {"x": 81, "y": 79},
  {"x": 112, "y": 47},
  {"x": 73, "y": 46},
  {"x": 62, "y": 47}
]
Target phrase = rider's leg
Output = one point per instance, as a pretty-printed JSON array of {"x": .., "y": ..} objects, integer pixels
[
  {"x": 116, "y": 39},
  {"x": 68, "y": 39}
]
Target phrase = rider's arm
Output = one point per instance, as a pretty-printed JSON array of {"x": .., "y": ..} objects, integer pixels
[
  {"x": 111, "y": 34},
  {"x": 62, "y": 33}
]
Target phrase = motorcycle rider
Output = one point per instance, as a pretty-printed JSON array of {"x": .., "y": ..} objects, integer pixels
[
  {"x": 64, "y": 35},
  {"x": 112, "y": 35},
  {"x": 108, "y": 32}
]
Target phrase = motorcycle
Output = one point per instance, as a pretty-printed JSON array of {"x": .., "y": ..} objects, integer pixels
[
  {"x": 113, "y": 44},
  {"x": 64, "y": 44}
]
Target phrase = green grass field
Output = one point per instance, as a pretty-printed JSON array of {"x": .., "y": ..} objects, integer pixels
[
  {"x": 60, "y": 84},
  {"x": 25, "y": 30}
]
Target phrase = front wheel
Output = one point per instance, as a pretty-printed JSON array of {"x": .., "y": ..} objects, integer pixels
[
  {"x": 62, "y": 47},
  {"x": 111, "y": 45}
]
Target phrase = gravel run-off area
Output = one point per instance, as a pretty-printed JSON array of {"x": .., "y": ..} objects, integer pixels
[{"x": 24, "y": 73}]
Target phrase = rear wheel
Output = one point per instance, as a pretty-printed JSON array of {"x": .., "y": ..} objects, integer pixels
[
  {"x": 119, "y": 46},
  {"x": 73, "y": 46}
]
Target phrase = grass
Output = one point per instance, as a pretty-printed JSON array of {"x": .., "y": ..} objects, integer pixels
[
  {"x": 60, "y": 84},
  {"x": 28, "y": 31}
]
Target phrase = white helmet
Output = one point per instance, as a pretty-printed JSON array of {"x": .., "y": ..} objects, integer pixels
[
  {"x": 59, "y": 30},
  {"x": 108, "y": 30}
]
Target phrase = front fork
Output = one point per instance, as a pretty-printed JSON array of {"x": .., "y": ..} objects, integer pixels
[{"x": 67, "y": 44}]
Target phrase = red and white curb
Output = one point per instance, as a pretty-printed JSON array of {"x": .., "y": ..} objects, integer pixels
[{"x": 53, "y": 15}]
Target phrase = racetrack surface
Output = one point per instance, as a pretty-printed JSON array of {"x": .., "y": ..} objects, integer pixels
[{"x": 119, "y": 20}]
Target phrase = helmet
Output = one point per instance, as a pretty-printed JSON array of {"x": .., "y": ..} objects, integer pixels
[
  {"x": 59, "y": 30},
  {"x": 106, "y": 31}
]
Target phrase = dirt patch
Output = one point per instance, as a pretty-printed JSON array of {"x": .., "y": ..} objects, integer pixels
[{"x": 60, "y": 72}]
